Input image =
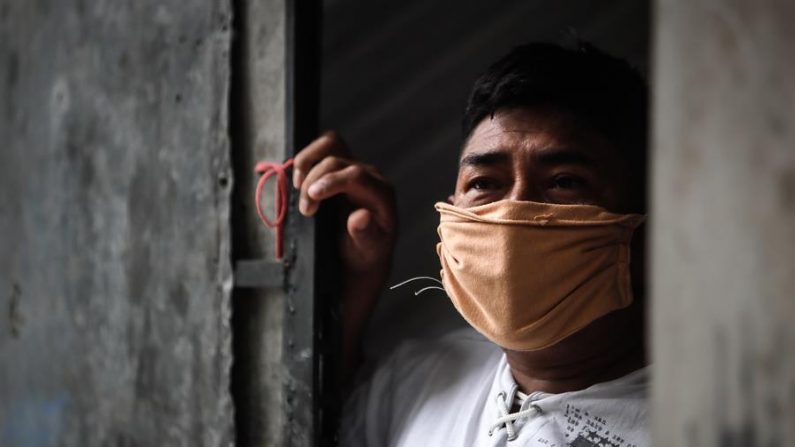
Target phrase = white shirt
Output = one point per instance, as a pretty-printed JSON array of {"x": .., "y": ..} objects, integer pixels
[{"x": 448, "y": 392}]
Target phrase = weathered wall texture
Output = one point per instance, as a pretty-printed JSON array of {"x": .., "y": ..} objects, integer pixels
[
  {"x": 259, "y": 131},
  {"x": 114, "y": 193},
  {"x": 723, "y": 222}
]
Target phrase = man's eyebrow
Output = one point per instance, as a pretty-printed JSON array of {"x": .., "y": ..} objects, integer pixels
[
  {"x": 563, "y": 156},
  {"x": 489, "y": 158}
]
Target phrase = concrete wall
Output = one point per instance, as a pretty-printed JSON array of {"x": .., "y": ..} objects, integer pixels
[
  {"x": 258, "y": 125},
  {"x": 723, "y": 224},
  {"x": 115, "y": 276}
]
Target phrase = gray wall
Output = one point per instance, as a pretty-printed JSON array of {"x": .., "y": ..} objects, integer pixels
[
  {"x": 114, "y": 198},
  {"x": 723, "y": 224},
  {"x": 395, "y": 80},
  {"x": 259, "y": 131}
]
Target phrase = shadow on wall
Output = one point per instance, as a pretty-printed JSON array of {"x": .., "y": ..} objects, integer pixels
[{"x": 394, "y": 83}]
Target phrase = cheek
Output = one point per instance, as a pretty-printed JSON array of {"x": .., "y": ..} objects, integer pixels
[
  {"x": 461, "y": 199},
  {"x": 464, "y": 202},
  {"x": 457, "y": 196},
  {"x": 475, "y": 198}
]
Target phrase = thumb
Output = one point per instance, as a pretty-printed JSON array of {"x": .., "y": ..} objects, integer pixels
[{"x": 362, "y": 229}]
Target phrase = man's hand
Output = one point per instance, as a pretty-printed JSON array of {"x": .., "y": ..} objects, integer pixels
[{"x": 323, "y": 169}]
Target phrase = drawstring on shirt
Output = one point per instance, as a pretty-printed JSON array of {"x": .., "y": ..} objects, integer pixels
[
  {"x": 506, "y": 418},
  {"x": 417, "y": 292},
  {"x": 266, "y": 170}
]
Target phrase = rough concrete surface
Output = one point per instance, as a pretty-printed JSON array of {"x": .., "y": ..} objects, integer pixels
[
  {"x": 115, "y": 277},
  {"x": 723, "y": 224},
  {"x": 259, "y": 128}
]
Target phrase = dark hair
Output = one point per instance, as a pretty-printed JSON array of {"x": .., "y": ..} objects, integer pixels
[{"x": 603, "y": 92}]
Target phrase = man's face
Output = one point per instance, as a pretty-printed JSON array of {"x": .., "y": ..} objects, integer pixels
[{"x": 540, "y": 155}]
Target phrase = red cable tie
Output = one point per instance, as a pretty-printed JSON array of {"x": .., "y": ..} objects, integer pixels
[{"x": 266, "y": 170}]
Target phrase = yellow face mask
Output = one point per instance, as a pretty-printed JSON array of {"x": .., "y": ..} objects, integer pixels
[{"x": 527, "y": 275}]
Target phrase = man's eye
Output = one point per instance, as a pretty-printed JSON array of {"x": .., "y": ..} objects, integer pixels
[
  {"x": 567, "y": 182},
  {"x": 481, "y": 184}
]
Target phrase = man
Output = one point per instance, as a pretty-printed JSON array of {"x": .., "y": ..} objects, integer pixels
[{"x": 534, "y": 250}]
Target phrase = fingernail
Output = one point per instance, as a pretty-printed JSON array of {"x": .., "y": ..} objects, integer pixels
[
  {"x": 303, "y": 204},
  {"x": 316, "y": 189}
]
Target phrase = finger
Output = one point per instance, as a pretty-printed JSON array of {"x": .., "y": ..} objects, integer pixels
[
  {"x": 361, "y": 229},
  {"x": 330, "y": 143},
  {"x": 359, "y": 221},
  {"x": 306, "y": 204},
  {"x": 362, "y": 188}
]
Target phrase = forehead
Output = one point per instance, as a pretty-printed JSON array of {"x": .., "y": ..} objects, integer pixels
[{"x": 532, "y": 130}]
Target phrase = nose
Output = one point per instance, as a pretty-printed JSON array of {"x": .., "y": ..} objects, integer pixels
[{"x": 524, "y": 190}]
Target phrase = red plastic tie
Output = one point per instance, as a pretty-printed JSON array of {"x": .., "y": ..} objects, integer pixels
[{"x": 266, "y": 170}]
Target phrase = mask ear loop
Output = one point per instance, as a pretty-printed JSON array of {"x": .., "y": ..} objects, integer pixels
[{"x": 417, "y": 292}]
